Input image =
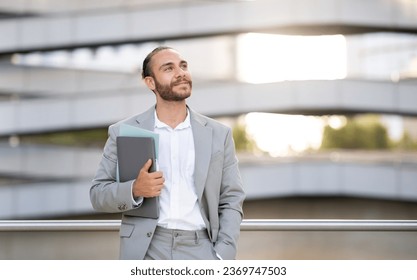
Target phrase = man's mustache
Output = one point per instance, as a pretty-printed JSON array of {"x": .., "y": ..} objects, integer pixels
[{"x": 181, "y": 81}]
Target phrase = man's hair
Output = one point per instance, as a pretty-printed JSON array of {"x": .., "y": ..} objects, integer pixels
[{"x": 146, "y": 71}]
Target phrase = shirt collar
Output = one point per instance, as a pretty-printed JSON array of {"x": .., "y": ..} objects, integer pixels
[{"x": 185, "y": 124}]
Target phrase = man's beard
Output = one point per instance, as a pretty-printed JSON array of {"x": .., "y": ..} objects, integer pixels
[{"x": 167, "y": 92}]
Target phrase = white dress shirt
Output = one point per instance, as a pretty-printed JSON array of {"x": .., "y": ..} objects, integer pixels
[{"x": 179, "y": 207}]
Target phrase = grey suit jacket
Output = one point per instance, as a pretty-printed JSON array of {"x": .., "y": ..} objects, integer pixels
[{"x": 217, "y": 181}]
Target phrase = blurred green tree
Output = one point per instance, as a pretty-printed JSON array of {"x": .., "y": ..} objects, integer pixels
[
  {"x": 364, "y": 132},
  {"x": 406, "y": 143},
  {"x": 243, "y": 142}
]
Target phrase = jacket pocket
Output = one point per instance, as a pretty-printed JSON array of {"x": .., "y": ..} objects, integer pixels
[{"x": 126, "y": 230}]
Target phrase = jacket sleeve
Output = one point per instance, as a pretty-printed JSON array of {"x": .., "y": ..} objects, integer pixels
[
  {"x": 230, "y": 203},
  {"x": 106, "y": 193}
]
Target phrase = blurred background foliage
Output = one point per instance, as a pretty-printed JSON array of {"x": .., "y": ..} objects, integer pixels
[
  {"x": 77, "y": 138},
  {"x": 364, "y": 133}
]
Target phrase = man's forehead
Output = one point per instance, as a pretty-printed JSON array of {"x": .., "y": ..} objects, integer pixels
[{"x": 168, "y": 55}]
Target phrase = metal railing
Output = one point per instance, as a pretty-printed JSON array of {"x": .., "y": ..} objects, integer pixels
[{"x": 247, "y": 225}]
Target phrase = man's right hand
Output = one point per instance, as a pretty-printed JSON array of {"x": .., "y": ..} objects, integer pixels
[{"x": 148, "y": 184}]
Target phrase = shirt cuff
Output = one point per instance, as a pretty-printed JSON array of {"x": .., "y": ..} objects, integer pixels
[{"x": 135, "y": 201}]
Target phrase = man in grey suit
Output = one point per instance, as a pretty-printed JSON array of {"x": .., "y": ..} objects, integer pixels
[{"x": 198, "y": 183}]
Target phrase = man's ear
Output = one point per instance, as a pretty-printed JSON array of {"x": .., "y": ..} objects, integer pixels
[{"x": 150, "y": 83}]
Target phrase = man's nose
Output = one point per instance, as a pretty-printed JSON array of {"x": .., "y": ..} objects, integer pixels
[{"x": 180, "y": 72}]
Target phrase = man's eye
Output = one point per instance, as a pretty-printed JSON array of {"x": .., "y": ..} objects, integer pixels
[{"x": 168, "y": 68}]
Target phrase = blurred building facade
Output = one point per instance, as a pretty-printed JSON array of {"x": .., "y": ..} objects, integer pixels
[{"x": 51, "y": 80}]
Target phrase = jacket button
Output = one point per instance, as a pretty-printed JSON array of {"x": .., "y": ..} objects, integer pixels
[
  {"x": 149, "y": 234},
  {"x": 122, "y": 207}
]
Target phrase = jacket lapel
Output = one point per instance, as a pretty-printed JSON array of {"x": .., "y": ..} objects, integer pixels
[
  {"x": 202, "y": 141},
  {"x": 146, "y": 120}
]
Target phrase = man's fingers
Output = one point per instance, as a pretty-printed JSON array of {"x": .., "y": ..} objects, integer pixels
[
  {"x": 148, "y": 184},
  {"x": 156, "y": 175},
  {"x": 147, "y": 165}
]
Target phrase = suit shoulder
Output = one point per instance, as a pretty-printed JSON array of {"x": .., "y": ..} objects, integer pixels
[
  {"x": 215, "y": 124},
  {"x": 133, "y": 120},
  {"x": 129, "y": 120}
]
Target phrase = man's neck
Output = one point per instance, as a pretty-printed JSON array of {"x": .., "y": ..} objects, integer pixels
[{"x": 171, "y": 113}]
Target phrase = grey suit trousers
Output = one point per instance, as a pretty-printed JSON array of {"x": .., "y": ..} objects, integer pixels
[{"x": 169, "y": 244}]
